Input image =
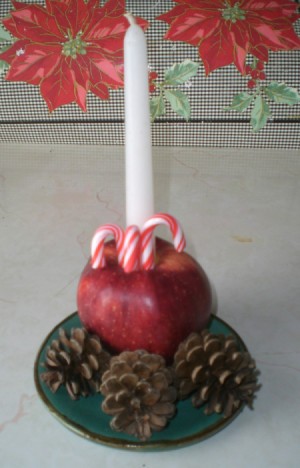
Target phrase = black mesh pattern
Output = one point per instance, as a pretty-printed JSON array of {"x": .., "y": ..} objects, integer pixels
[{"x": 24, "y": 116}]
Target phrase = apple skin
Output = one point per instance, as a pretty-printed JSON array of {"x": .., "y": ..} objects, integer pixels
[{"x": 153, "y": 310}]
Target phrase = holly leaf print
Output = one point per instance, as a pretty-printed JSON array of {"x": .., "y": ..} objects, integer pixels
[
  {"x": 157, "y": 107},
  {"x": 240, "y": 102},
  {"x": 260, "y": 113},
  {"x": 282, "y": 94},
  {"x": 179, "y": 73},
  {"x": 179, "y": 102}
]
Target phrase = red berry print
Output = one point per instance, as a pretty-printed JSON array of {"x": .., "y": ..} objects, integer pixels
[
  {"x": 152, "y": 85},
  {"x": 262, "y": 75},
  {"x": 254, "y": 74},
  {"x": 251, "y": 84},
  {"x": 260, "y": 65}
]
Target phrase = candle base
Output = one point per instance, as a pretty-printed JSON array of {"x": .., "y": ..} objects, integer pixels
[{"x": 85, "y": 418}]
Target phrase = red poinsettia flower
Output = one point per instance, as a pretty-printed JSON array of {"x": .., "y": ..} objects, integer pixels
[
  {"x": 225, "y": 31},
  {"x": 68, "y": 47}
]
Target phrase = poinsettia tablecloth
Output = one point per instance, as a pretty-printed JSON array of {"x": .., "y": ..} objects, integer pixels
[{"x": 204, "y": 57}]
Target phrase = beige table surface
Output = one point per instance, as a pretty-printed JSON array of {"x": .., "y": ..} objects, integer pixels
[{"x": 240, "y": 211}]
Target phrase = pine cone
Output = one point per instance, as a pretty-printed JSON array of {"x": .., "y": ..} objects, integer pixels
[
  {"x": 138, "y": 393},
  {"x": 76, "y": 361},
  {"x": 217, "y": 371}
]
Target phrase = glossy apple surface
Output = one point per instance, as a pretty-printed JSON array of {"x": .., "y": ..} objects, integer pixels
[{"x": 153, "y": 310}]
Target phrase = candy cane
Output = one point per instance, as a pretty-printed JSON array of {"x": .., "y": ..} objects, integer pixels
[
  {"x": 97, "y": 245},
  {"x": 131, "y": 249},
  {"x": 147, "y": 254}
]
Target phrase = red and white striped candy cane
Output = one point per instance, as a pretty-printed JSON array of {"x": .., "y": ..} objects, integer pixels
[
  {"x": 97, "y": 245},
  {"x": 131, "y": 249},
  {"x": 148, "y": 247}
]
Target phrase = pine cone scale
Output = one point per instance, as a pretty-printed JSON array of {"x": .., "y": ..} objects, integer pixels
[
  {"x": 130, "y": 381},
  {"x": 159, "y": 381},
  {"x": 216, "y": 359},
  {"x": 199, "y": 374},
  {"x": 111, "y": 406},
  {"x": 93, "y": 362},
  {"x": 196, "y": 353},
  {"x": 86, "y": 371},
  {"x": 158, "y": 422},
  {"x": 163, "y": 409},
  {"x": 111, "y": 384},
  {"x": 223, "y": 375},
  {"x": 122, "y": 397},
  {"x": 75, "y": 346},
  {"x": 151, "y": 397}
]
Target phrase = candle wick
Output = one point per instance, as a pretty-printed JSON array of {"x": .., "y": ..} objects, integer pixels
[{"x": 131, "y": 19}]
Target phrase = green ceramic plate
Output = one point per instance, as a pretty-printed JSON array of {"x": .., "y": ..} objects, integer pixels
[{"x": 85, "y": 417}]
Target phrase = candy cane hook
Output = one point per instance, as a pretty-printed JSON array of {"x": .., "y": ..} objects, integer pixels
[
  {"x": 147, "y": 238},
  {"x": 97, "y": 244}
]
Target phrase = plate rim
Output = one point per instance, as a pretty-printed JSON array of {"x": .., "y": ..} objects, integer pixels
[{"x": 163, "y": 444}]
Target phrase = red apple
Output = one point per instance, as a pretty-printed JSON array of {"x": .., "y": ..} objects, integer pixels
[{"x": 153, "y": 310}]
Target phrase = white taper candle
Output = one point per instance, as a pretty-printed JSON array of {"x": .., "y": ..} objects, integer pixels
[{"x": 138, "y": 149}]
